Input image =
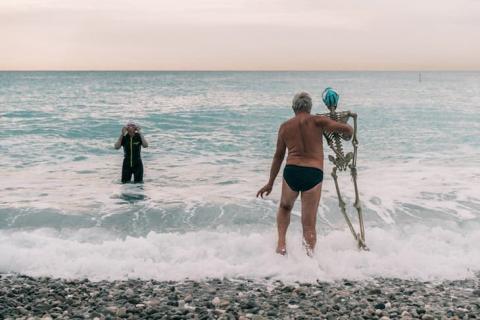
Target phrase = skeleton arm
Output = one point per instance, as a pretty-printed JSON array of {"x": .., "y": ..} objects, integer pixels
[
  {"x": 353, "y": 170},
  {"x": 344, "y": 117},
  {"x": 354, "y": 137}
]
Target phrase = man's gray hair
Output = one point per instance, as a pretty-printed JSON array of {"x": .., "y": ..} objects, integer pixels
[{"x": 302, "y": 102}]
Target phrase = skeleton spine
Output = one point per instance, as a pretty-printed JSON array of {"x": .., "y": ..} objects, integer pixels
[{"x": 336, "y": 136}]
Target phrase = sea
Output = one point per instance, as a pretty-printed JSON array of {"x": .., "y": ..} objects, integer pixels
[{"x": 64, "y": 212}]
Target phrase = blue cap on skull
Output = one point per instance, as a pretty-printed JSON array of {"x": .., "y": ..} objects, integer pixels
[{"x": 330, "y": 97}]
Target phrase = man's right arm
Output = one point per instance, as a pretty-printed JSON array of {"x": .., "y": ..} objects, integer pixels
[
  {"x": 276, "y": 164},
  {"x": 330, "y": 125}
]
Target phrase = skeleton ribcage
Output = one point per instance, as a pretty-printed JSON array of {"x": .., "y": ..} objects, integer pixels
[
  {"x": 333, "y": 138},
  {"x": 334, "y": 141}
]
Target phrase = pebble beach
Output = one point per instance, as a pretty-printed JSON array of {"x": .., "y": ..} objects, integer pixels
[{"x": 23, "y": 297}]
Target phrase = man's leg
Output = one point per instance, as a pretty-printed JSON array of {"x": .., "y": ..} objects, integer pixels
[
  {"x": 283, "y": 215},
  {"x": 310, "y": 200}
]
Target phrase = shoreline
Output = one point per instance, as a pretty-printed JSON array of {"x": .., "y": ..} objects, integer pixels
[{"x": 24, "y": 297}]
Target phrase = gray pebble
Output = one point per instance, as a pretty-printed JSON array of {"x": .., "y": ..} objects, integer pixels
[{"x": 24, "y": 297}]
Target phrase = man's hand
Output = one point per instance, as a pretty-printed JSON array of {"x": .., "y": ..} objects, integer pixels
[
  {"x": 346, "y": 136},
  {"x": 266, "y": 189},
  {"x": 124, "y": 130}
]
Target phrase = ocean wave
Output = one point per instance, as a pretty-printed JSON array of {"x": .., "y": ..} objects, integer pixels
[{"x": 415, "y": 252}]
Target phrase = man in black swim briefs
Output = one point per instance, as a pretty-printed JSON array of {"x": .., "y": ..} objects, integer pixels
[
  {"x": 132, "y": 140},
  {"x": 303, "y": 173}
]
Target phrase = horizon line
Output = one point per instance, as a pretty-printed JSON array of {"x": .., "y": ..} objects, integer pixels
[{"x": 233, "y": 70}]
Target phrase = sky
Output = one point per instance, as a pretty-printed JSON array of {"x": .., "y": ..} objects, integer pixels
[{"x": 240, "y": 35}]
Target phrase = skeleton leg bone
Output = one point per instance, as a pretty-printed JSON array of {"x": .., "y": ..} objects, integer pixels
[
  {"x": 341, "y": 204},
  {"x": 358, "y": 206}
]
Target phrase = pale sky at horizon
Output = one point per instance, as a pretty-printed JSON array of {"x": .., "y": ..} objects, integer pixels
[{"x": 239, "y": 35}]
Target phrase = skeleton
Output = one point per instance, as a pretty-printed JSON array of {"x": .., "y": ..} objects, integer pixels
[{"x": 342, "y": 162}]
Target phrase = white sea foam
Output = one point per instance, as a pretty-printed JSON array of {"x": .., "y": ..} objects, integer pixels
[{"x": 414, "y": 253}]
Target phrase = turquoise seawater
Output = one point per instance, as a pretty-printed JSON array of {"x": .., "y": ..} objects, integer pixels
[{"x": 212, "y": 137}]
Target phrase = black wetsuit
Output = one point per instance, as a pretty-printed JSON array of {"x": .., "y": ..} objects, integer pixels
[{"x": 132, "y": 163}]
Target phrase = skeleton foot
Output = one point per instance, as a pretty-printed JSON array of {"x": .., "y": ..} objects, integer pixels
[{"x": 361, "y": 244}]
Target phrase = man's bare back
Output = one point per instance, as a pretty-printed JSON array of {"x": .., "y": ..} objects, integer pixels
[{"x": 302, "y": 136}]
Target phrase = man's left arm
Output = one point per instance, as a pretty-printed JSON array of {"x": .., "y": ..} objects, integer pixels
[{"x": 330, "y": 125}]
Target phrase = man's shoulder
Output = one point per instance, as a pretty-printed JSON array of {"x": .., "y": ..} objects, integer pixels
[
  {"x": 288, "y": 122},
  {"x": 284, "y": 126}
]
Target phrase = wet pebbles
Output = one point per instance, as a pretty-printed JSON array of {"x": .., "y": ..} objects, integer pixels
[{"x": 24, "y": 297}]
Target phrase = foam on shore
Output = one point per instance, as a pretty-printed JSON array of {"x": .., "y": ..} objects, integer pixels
[{"x": 413, "y": 253}]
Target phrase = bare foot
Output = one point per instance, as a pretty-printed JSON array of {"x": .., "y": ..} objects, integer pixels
[
  {"x": 281, "y": 250},
  {"x": 308, "y": 249}
]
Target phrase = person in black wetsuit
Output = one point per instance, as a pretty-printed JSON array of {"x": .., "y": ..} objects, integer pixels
[{"x": 131, "y": 140}]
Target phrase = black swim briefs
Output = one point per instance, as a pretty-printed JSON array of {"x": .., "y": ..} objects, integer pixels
[{"x": 301, "y": 178}]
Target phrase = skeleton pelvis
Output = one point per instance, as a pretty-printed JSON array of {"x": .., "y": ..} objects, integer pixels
[{"x": 341, "y": 163}]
